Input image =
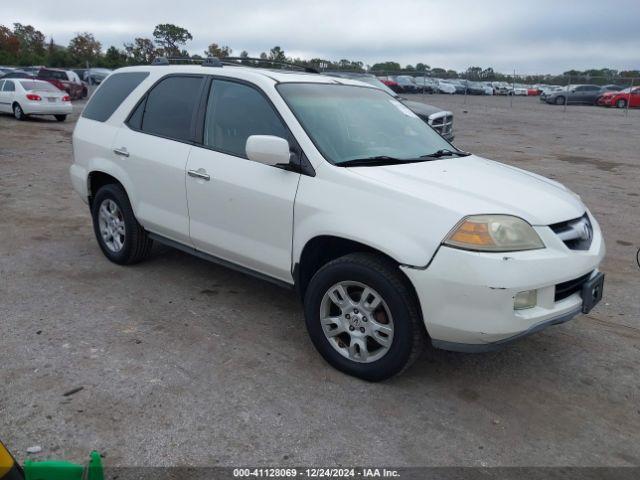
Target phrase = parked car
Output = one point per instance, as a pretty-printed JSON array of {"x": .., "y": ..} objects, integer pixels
[
  {"x": 457, "y": 85},
  {"x": 440, "y": 120},
  {"x": 502, "y": 88},
  {"x": 390, "y": 218},
  {"x": 445, "y": 87},
  {"x": 392, "y": 84},
  {"x": 406, "y": 83},
  {"x": 63, "y": 80},
  {"x": 95, "y": 76},
  {"x": 472, "y": 88},
  {"x": 574, "y": 94},
  {"x": 426, "y": 85},
  {"x": 611, "y": 88},
  {"x": 629, "y": 96},
  {"x": 16, "y": 74},
  {"x": 24, "y": 97},
  {"x": 4, "y": 70}
]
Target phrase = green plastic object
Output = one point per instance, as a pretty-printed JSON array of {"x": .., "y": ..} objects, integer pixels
[{"x": 63, "y": 470}]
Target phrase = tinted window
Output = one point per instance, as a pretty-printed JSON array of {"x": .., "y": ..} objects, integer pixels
[
  {"x": 8, "y": 86},
  {"x": 170, "y": 107},
  {"x": 234, "y": 113},
  {"x": 111, "y": 94}
]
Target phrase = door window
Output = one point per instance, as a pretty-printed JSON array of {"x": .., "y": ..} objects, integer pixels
[
  {"x": 169, "y": 108},
  {"x": 236, "y": 111},
  {"x": 8, "y": 86}
]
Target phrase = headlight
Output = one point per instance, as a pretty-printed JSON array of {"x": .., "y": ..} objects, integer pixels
[{"x": 494, "y": 233}]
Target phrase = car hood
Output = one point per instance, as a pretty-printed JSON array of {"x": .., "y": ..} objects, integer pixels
[
  {"x": 420, "y": 108},
  {"x": 474, "y": 185}
]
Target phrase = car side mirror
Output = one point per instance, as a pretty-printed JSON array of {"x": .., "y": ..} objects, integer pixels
[{"x": 267, "y": 149}]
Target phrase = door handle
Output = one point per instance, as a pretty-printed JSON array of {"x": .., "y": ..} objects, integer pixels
[
  {"x": 201, "y": 173},
  {"x": 122, "y": 151}
]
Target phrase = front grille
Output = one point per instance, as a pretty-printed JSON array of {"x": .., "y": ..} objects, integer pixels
[
  {"x": 566, "y": 289},
  {"x": 442, "y": 122},
  {"x": 576, "y": 234}
]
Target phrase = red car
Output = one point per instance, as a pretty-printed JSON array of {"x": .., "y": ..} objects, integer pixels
[
  {"x": 629, "y": 96},
  {"x": 62, "y": 80},
  {"x": 393, "y": 85}
]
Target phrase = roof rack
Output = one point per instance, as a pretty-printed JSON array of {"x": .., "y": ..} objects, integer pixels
[
  {"x": 232, "y": 61},
  {"x": 205, "y": 62},
  {"x": 259, "y": 62}
]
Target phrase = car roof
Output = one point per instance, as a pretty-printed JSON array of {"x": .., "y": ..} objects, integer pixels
[{"x": 276, "y": 76}]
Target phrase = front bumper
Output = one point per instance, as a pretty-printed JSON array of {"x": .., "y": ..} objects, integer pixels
[{"x": 467, "y": 298}]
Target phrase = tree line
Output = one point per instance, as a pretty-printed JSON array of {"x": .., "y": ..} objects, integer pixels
[{"x": 24, "y": 45}]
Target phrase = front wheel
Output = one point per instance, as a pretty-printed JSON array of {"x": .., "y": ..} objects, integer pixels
[
  {"x": 560, "y": 101},
  {"x": 363, "y": 317},
  {"x": 60, "y": 118},
  {"x": 121, "y": 238},
  {"x": 622, "y": 103}
]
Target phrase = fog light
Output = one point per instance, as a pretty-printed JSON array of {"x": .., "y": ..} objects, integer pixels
[{"x": 524, "y": 300}]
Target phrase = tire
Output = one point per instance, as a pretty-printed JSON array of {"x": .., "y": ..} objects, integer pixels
[
  {"x": 128, "y": 245},
  {"x": 622, "y": 103},
  {"x": 60, "y": 118},
  {"x": 18, "y": 113},
  {"x": 397, "y": 314},
  {"x": 560, "y": 100}
]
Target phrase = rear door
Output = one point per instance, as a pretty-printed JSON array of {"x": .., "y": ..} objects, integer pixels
[
  {"x": 241, "y": 211},
  {"x": 153, "y": 147},
  {"x": 5, "y": 101}
]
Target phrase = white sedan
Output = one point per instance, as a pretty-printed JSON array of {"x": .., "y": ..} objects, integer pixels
[{"x": 24, "y": 97}]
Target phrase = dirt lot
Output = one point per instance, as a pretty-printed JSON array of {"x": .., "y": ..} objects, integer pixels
[{"x": 184, "y": 362}]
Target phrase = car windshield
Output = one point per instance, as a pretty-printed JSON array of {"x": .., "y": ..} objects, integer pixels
[
  {"x": 349, "y": 123},
  {"x": 39, "y": 86},
  {"x": 376, "y": 83}
]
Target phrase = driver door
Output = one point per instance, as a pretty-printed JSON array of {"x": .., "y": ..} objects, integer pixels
[{"x": 239, "y": 210}]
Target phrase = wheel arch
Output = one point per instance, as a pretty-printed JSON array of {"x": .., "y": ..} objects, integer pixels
[
  {"x": 98, "y": 179},
  {"x": 320, "y": 250}
]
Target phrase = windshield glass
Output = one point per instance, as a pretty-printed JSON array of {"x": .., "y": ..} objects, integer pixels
[
  {"x": 39, "y": 86},
  {"x": 348, "y": 122},
  {"x": 376, "y": 83}
]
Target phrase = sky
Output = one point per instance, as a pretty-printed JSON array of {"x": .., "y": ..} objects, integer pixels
[{"x": 540, "y": 36}]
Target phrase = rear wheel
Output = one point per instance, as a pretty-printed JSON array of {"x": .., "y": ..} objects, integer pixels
[
  {"x": 60, "y": 118},
  {"x": 120, "y": 236},
  {"x": 363, "y": 317},
  {"x": 560, "y": 100},
  {"x": 18, "y": 112},
  {"x": 622, "y": 103}
]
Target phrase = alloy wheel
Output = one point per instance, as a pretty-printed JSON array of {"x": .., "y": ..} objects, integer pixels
[
  {"x": 111, "y": 224},
  {"x": 356, "y": 321}
]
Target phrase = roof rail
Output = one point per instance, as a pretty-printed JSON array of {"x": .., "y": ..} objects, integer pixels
[
  {"x": 235, "y": 61},
  {"x": 205, "y": 62},
  {"x": 260, "y": 62}
]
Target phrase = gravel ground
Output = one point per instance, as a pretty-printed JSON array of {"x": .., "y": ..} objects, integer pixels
[{"x": 184, "y": 362}]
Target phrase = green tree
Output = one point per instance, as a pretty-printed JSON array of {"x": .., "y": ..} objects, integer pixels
[
  {"x": 32, "y": 41},
  {"x": 114, "y": 58},
  {"x": 386, "y": 67},
  {"x": 277, "y": 54},
  {"x": 214, "y": 50},
  {"x": 9, "y": 46},
  {"x": 84, "y": 48},
  {"x": 141, "y": 51},
  {"x": 171, "y": 38}
]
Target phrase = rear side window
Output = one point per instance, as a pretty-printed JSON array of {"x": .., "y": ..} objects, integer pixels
[
  {"x": 234, "y": 113},
  {"x": 111, "y": 94},
  {"x": 169, "y": 108}
]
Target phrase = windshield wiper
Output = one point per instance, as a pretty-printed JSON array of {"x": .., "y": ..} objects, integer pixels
[
  {"x": 446, "y": 153},
  {"x": 374, "y": 161}
]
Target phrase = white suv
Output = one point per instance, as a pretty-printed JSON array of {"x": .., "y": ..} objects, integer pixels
[{"x": 391, "y": 235}]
